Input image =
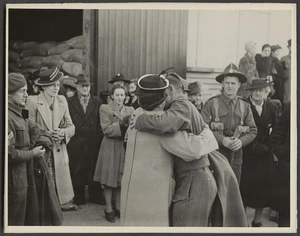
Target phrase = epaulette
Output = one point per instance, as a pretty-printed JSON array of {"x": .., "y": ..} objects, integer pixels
[
  {"x": 242, "y": 98},
  {"x": 216, "y": 96}
]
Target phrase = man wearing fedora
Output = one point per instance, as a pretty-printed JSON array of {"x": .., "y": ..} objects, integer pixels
[
  {"x": 84, "y": 146},
  {"x": 117, "y": 79},
  {"x": 230, "y": 118},
  {"x": 258, "y": 161},
  {"x": 195, "y": 94},
  {"x": 286, "y": 61}
]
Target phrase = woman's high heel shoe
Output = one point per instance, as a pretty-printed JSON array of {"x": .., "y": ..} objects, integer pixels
[{"x": 110, "y": 216}]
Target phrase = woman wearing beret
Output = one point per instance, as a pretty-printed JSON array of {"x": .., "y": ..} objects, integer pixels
[
  {"x": 114, "y": 118},
  {"x": 22, "y": 132},
  {"x": 258, "y": 162},
  {"x": 51, "y": 112}
]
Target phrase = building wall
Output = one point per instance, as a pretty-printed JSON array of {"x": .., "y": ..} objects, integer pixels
[
  {"x": 135, "y": 42},
  {"x": 216, "y": 38}
]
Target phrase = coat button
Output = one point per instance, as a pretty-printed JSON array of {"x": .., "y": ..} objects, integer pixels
[{"x": 58, "y": 150}]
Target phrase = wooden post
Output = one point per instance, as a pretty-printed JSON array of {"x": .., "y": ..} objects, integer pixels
[{"x": 91, "y": 45}]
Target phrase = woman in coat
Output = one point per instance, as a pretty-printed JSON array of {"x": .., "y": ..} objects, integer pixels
[
  {"x": 110, "y": 164},
  {"x": 51, "y": 112},
  {"x": 264, "y": 63},
  {"x": 258, "y": 163}
]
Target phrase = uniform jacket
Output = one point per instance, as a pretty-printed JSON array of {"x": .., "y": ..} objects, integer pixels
[
  {"x": 230, "y": 118},
  {"x": 182, "y": 115},
  {"x": 20, "y": 168},
  {"x": 148, "y": 163},
  {"x": 83, "y": 147},
  {"x": 39, "y": 111}
]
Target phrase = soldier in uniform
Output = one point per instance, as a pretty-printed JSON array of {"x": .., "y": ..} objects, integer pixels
[{"x": 230, "y": 118}]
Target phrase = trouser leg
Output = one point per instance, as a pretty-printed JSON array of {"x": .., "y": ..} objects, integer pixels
[{"x": 194, "y": 209}]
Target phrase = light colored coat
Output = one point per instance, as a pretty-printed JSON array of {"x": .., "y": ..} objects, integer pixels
[{"x": 39, "y": 111}]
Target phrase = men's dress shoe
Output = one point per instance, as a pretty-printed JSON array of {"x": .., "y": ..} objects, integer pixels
[
  {"x": 110, "y": 216},
  {"x": 117, "y": 213},
  {"x": 256, "y": 224},
  {"x": 69, "y": 207}
]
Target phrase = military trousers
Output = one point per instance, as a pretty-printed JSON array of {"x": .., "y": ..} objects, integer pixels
[
  {"x": 192, "y": 203},
  {"x": 235, "y": 160}
]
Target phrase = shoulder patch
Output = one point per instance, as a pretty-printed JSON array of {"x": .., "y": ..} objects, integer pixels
[{"x": 244, "y": 99}]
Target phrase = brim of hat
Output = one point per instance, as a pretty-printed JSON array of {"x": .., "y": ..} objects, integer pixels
[
  {"x": 83, "y": 83},
  {"x": 194, "y": 92},
  {"x": 259, "y": 86},
  {"x": 57, "y": 78},
  {"x": 116, "y": 80},
  {"x": 68, "y": 83},
  {"x": 242, "y": 78}
]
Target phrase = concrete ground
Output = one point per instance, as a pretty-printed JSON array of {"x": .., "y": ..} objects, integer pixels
[{"x": 93, "y": 215}]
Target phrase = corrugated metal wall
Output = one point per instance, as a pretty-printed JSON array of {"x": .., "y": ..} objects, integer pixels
[{"x": 135, "y": 42}]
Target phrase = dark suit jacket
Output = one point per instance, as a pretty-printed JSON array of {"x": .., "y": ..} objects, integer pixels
[{"x": 84, "y": 146}]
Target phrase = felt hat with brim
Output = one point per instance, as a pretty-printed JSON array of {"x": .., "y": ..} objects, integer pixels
[
  {"x": 195, "y": 88},
  {"x": 69, "y": 81},
  {"x": 182, "y": 80},
  {"x": 49, "y": 76},
  {"x": 259, "y": 84},
  {"x": 118, "y": 77},
  {"x": 151, "y": 83},
  {"x": 231, "y": 70},
  {"x": 83, "y": 80}
]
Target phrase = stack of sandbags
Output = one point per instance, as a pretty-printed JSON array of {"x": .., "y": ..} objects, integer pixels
[{"x": 28, "y": 57}]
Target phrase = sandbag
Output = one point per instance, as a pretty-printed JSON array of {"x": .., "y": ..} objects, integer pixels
[
  {"x": 13, "y": 56},
  {"x": 39, "y": 50},
  {"x": 59, "y": 49},
  {"x": 22, "y": 46},
  {"x": 74, "y": 55},
  {"x": 53, "y": 60},
  {"x": 76, "y": 42},
  {"x": 13, "y": 67},
  {"x": 72, "y": 68},
  {"x": 31, "y": 62}
]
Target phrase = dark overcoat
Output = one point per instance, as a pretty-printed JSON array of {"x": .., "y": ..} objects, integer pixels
[
  {"x": 258, "y": 163},
  {"x": 281, "y": 147},
  {"x": 83, "y": 147}
]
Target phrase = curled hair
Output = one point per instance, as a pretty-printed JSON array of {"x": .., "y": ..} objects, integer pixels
[
  {"x": 116, "y": 86},
  {"x": 266, "y": 46},
  {"x": 149, "y": 100}
]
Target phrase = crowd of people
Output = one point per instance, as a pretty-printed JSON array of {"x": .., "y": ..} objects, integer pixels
[{"x": 150, "y": 149}]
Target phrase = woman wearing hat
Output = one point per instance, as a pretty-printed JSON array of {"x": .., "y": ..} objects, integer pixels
[
  {"x": 51, "y": 112},
  {"x": 114, "y": 118},
  {"x": 147, "y": 184},
  {"x": 132, "y": 100},
  {"x": 258, "y": 160},
  {"x": 195, "y": 95}
]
